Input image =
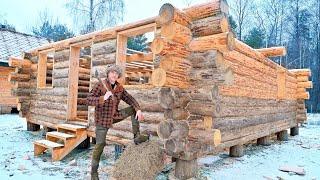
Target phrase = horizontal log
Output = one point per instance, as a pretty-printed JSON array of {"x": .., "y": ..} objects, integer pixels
[
  {"x": 168, "y": 13},
  {"x": 210, "y": 25},
  {"x": 301, "y": 72},
  {"x": 52, "y": 113},
  {"x": 105, "y": 47},
  {"x": 104, "y": 59},
  {"x": 139, "y": 57},
  {"x": 60, "y": 73},
  {"x": 304, "y": 95},
  {"x": 307, "y": 84},
  {"x": 302, "y": 78},
  {"x": 206, "y": 59},
  {"x": 18, "y": 77},
  {"x": 57, "y": 91},
  {"x": 49, "y": 105},
  {"x": 84, "y": 70},
  {"x": 207, "y": 9},
  {"x": 60, "y": 82},
  {"x": 212, "y": 137},
  {"x": 222, "y": 42},
  {"x": 21, "y": 70},
  {"x": 161, "y": 46},
  {"x": 49, "y": 98},
  {"x": 17, "y": 62},
  {"x": 176, "y": 32},
  {"x": 25, "y": 85},
  {"x": 273, "y": 51}
]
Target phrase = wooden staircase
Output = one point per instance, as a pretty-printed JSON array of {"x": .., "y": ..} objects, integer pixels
[{"x": 61, "y": 142}]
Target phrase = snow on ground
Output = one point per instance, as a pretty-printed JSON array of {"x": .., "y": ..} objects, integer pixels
[{"x": 17, "y": 160}]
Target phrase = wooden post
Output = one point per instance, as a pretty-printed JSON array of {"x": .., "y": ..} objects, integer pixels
[
  {"x": 294, "y": 131},
  {"x": 73, "y": 82},
  {"x": 282, "y": 135},
  {"x": 42, "y": 70},
  {"x": 32, "y": 127},
  {"x": 121, "y": 54},
  {"x": 236, "y": 151},
  {"x": 264, "y": 141},
  {"x": 186, "y": 169}
]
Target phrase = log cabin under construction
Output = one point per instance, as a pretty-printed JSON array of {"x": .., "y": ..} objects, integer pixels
[{"x": 201, "y": 90}]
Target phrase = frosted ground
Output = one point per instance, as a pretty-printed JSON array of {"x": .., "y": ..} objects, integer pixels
[{"x": 17, "y": 160}]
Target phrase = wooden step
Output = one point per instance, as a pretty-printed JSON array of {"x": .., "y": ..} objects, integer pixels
[
  {"x": 60, "y": 135},
  {"x": 70, "y": 127},
  {"x": 48, "y": 144}
]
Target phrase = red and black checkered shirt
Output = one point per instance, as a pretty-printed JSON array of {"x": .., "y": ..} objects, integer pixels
[{"x": 104, "y": 108}]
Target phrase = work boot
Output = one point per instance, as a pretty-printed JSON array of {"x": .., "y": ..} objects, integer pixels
[
  {"x": 140, "y": 138},
  {"x": 98, "y": 149},
  {"x": 137, "y": 137}
]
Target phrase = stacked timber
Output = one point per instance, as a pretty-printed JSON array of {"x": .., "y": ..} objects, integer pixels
[
  {"x": 172, "y": 47},
  {"x": 83, "y": 87},
  {"x": 302, "y": 76},
  {"x": 48, "y": 106},
  {"x": 23, "y": 83}
]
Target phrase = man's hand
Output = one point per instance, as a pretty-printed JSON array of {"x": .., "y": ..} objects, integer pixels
[
  {"x": 139, "y": 115},
  {"x": 107, "y": 95}
]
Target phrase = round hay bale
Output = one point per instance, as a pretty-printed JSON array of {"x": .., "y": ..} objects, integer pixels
[{"x": 143, "y": 161}]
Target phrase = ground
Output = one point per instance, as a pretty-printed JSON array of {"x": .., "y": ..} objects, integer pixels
[{"x": 17, "y": 160}]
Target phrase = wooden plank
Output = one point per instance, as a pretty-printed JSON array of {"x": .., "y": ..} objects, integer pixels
[
  {"x": 48, "y": 144},
  {"x": 121, "y": 53},
  {"x": 138, "y": 30},
  {"x": 73, "y": 83},
  {"x": 42, "y": 70},
  {"x": 140, "y": 57}
]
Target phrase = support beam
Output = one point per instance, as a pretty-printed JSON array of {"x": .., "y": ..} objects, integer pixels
[
  {"x": 236, "y": 151},
  {"x": 264, "y": 141},
  {"x": 294, "y": 131},
  {"x": 73, "y": 82},
  {"x": 282, "y": 135},
  {"x": 186, "y": 169},
  {"x": 42, "y": 70}
]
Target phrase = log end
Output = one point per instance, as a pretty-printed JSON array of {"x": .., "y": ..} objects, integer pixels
[
  {"x": 166, "y": 14},
  {"x": 157, "y": 45},
  {"x": 158, "y": 77},
  {"x": 164, "y": 129}
]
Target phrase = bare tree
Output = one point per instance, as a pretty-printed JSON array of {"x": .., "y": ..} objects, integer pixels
[
  {"x": 91, "y": 15},
  {"x": 241, "y": 10}
]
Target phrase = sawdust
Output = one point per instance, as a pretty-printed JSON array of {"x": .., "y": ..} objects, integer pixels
[{"x": 137, "y": 162}]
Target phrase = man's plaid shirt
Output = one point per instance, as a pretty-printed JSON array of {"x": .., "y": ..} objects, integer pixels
[{"x": 103, "y": 111}]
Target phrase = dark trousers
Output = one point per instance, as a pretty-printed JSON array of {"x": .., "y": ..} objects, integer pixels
[{"x": 101, "y": 133}]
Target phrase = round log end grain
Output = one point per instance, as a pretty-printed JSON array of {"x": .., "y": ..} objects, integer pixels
[
  {"x": 164, "y": 129},
  {"x": 157, "y": 45},
  {"x": 166, "y": 13},
  {"x": 158, "y": 77}
]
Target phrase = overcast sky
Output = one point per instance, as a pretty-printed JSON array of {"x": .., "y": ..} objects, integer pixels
[{"x": 23, "y": 14}]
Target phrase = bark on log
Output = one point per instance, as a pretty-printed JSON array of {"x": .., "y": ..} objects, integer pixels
[
  {"x": 176, "y": 32},
  {"x": 223, "y": 42},
  {"x": 16, "y": 62},
  {"x": 104, "y": 59},
  {"x": 186, "y": 169},
  {"x": 170, "y": 98},
  {"x": 273, "y": 51},
  {"x": 209, "y": 26},
  {"x": 162, "y": 46},
  {"x": 18, "y": 77},
  {"x": 169, "y": 13},
  {"x": 204, "y": 10}
]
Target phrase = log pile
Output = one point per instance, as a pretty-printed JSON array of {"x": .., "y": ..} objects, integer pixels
[
  {"x": 302, "y": 76},
  {"x": 172, "y": 47}
]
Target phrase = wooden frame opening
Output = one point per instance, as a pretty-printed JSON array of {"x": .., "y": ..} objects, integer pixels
[
  {"x": 45, "y": 69},
  {"x": 137, "y": 64}
]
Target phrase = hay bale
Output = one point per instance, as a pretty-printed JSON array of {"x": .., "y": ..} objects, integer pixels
[{"x": 142, "y": 161}]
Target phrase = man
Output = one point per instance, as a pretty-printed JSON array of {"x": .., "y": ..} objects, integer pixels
[{"x": 106, "y": 98}]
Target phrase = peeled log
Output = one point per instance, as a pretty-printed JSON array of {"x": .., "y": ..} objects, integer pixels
[
  {"x": 209, "y": 26},
  {"x": 222, "y": 42},
  {"x": 302, "y": 78},
  {"x": 204, "y": 10},
  {"x": 307, "y": 84},
  {"x": 18, "y": 77},
  {"x": 173, "y": 129},
  {"x": 170, "y": 63},
  {"x": 169, "y": 13},
  {"x": 176, "y": 32},
  {"x": 174, "y": 146},
  {"x": 212, "y": 137},
  {"x": 273, "y": 51},
  {"x": 304, "y": 95},
  {"x": 16, "y": 62},
  {"x": 161, "y": 78},
  {"x": 164, "y": 47},
  {"x": 301, "y": 72}
]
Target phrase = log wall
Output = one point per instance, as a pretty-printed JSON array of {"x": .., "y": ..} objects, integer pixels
[{"x": 7, "y": 101}]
